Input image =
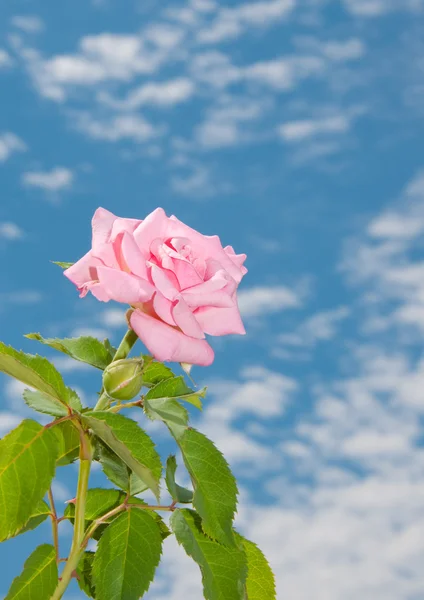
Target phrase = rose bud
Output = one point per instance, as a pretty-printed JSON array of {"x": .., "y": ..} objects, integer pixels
[{"x": 123, "y": 379}]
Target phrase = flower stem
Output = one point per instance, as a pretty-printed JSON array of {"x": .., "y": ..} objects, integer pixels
[
  {"x": 77, "y": 547},
  {"x": 123, "y": 350},
  {"x": 54, "y": 519}
]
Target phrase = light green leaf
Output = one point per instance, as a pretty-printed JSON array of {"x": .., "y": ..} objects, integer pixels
[
  {"x": 35, "y": 371},
  {"x": 127, "y": 556},
  {"x": 260, "y": 583},
  {"x": 176, "y": 387},
  {"x": 118, "y": 472},
  {"x": 178, "y": 493},
  {"x": 170, "y": 412},
  {"x": 154, "y": 372},
  {"x": 130, "y": 443},
  {"x": 27, "y": 464},
  {"x": 63, "y": 265},
  {"x": 68, "y": 442},
  {"x": 38, "y": 516},
  {"x": 223, "y": 569},
  {"x": 86, "y": 349},
  {"x": 39, "y": 578},
  {"x": 85, "y": 575},
  {"x": 215, "y": 489},
  {"x": 45, "y": 404}
]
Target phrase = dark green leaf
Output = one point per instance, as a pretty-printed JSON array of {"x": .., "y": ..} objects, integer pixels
[
  {"x": 178, "y": 493},
  {"x": 27, "y": 464},
  {"x": 215, "y": 489},
  {"x": 130, "y": 443},
  {"x": 84, "y": 574},
  {"x": 170, "y": 412},
  {"x": 223, "y": 569},
  {"x": 39, "y": 578},
  {"x": 260, "y": 583},
  {"x": 68, "y": 441},
  {"x": 35, "y": 371},
  {"x": 154, "y": 372},
  {"x": 86, "y": 349},
  {"x": 63, "y": 265},
  {"x": 127, "y": 556},
  {"x": 118, "y": 472},
  {"x": 38, "y": 516},
  {"x": 45, "y": 404},
  {"x": 176, "y": 387}
]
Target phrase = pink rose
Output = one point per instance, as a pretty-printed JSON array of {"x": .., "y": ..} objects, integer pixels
[{"x": 182, "y": 284}]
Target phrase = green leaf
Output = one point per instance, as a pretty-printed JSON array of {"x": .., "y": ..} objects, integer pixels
[
  {"x": 178, "y": 493},
  {"x": 68, "y": 442},
  {"x": 39, "y": 578},
  {"x": 176, "y": 387},
  {"x": 215, "y": 489},
  {"x": 127, "y": 556},
  {"x": 45, "y": 404},
  {"x": 35, "y": 371},
  {"x": 223, "y": 569},
  {"x": 130, "y": 443},
  {"x": 63, "y": 265},
  {"x": 118, "y": 472},
  {"x": 170, "y": 412},
  {"x": 86, "y": 349},
  {"x": 154, "y": 372},
  {"x": 38, "y": 516},
  {"x": 27, "y": 464},
  {"x": 85, "y": 575},
  {"x": 260, "y": 583}
]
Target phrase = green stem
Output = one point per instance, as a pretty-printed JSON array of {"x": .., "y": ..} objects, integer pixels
[
  {"x": 54, "y": 519},
  {"x": 123, "y": 350},
  {"x": 77, "y": 547}
]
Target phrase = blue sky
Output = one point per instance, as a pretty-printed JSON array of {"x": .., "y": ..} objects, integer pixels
[{"x": 294, "y": 130}]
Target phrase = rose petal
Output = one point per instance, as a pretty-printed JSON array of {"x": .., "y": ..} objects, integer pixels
[
  {"x": 220, "y": 321},
  {"x": 102, "y": 223},
  {"x": 168, "y": 344},
  {"x": 153, "y": 226},
  {"x": 84, "y": 270},
  {"x": 186, "y": 321},
  {"x": 163, "y": 308},
  {"x": 133, "y": 256},
  {"x": 165, "y": 282},
  {"x": 186, "y": 274},
  {"x": 123, "y": 225},
  {"x": 219, "y": 298},
  {"x": 123, "y": 287}
]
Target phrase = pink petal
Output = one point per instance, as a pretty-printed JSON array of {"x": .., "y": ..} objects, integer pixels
[
  {"x": 84, "y": 270},
  {"x": 186, "y": 321},
  {"x": 153, "y": 226},
  {"x": 163, "y": 308},
  {"x": 186, "y": 274},
  {"x": 133, "y": 257},
  {"x": 220, "y": 321},
  {"x": 123, "y": 287},
  {"x": 102, "y": 223},
  {"x": 168, "y": 344},
  {"x": 219, "y": 298},
  {"x": 123, "y": 225},
  {"x": 165, "y": 282}
]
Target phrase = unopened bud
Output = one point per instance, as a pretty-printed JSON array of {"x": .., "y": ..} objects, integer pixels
[{"x": 123, "y": 379}]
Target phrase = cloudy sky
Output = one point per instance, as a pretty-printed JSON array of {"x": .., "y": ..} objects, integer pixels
[{"x": 294, "y": 130}]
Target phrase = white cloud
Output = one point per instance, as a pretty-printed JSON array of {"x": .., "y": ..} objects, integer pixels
[
  {"x": 321, "y": 326},
  {"x": 120, "y": 127},
  {"x": 21, "y": 297},
  {"x": 376, "y": 8},
  {"x": 160, "y": 94},
  {"x": 341, "y": 51},
  {"x": 113, "y": 317},
  {"x": 55, "y": 180},
  {"x": 11, "y": 231},
  {"x": 262, "y": 300},
  {"x": 8, "y": 421},
  {"x": 232, "y": 22},
  {"x": 295, "y": 131},
  {"x": 28, "y": 23},
  {"x": 9, "y": 144},
  {"x": 5, "y": 59}
]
